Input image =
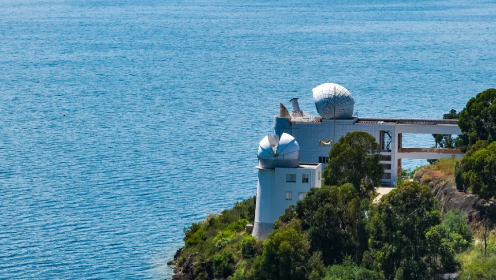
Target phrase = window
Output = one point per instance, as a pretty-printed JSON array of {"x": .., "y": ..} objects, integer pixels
[
  {"x": 304, "y": 178},
  {"x": 301, "y": 195},
  {"x": 386, "y": 157},
  {"x": 289, "y": 195},
  {"x": 325, "y": 142},
  {"x": 291, "y": 178},
  {"x": 323, "y": 159},
  {"x": 319, "y": 175}
]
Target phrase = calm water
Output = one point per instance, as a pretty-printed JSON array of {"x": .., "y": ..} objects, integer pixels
[{"x": 125, "y": 121}]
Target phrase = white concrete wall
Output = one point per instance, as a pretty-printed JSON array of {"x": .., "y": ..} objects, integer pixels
[
  {"x": 266, "y": 181},
  {"x": 308, "y": 135},
  {"x": 428, "y": 129},
  {"x": 272, "y": 188}
]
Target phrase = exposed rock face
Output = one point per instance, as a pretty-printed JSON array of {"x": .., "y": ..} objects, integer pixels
[
  {"x": 184, "y": 271},
  {"x": 188, "y": 270},
  {"x": 450, "y": 198}
]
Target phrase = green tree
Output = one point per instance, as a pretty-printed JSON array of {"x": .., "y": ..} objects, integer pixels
[
  {"x": 285, "y": 256},
  {"x": 478, "y": 170},
  {"x": 477, "y": 120},
  {"x": 355, "y": 159},
  {"x": 398, "y": 225},
  {"x": 335, "y": 222},
  {"x": 223, "y": 265},
  {"x": 456, "y": 224},
  {"x": 441, "y": 254},
  {"x": 349, "y": 270}
]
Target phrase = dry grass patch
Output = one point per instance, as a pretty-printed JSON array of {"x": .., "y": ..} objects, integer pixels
[{"x": 443, "y": 169}]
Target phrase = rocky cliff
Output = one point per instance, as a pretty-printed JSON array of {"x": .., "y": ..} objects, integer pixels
[{"x": 449, "y": 197}]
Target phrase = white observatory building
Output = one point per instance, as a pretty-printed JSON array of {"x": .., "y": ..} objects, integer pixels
[
  {"x": 334, "y": 103},
  {"x": 282, "y": 180}
]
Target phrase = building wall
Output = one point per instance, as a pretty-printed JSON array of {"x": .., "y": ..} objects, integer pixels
[
  {"x": 271, "y": 194},
  {"x": 266, "y": 179},
  {"x": 272, "y": 191},
  {"x": 308, "y": 135}
]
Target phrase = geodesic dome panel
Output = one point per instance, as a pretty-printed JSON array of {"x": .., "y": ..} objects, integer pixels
[
  {"x": 333, "y": 101},
  {"x": 274, "y": 148}
]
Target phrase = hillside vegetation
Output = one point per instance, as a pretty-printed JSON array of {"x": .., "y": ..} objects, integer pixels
[{"x": 335, "y": 232}]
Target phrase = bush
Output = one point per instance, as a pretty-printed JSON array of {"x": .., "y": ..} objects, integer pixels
[
  {"x": 479, "y": 166},
  {"x": 456, "y": 223},
  {"x": 350, "y": 271},
  {"x": 223, "y": 265},
  {"x": 197, "y": 237},
  {"x": 248, "y": 247},
  {"x": 474, "y": 265},
  {"x": 223, "y": 238}
]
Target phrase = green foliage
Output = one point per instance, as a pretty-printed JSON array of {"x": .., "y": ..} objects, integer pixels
[
  {"x": 223, "y": 265},
  {"x": 398, "y": 227},
  {"x": 333, "y": 219},
  {"x": 239, "y": 274},
  {"x": 441, "y": 254},
  {"x": 479, "y": 170},
  {"x": 349, "y": 270},
  {"x": 248, "y": 247},
  {"x": 333, "y": 233},
  {"x": 477, "y": 120},
  {"x": 196, "y": 237},
  {"x": 317, "y": 267},
  {"x": 215, "y": 242},
  {"x": 223, "y": 238},
  {"x": 289, "y": 214},
  {"x": 285, "y": 256},
  {"x": 456, "y": 224},
  {"x": 476, "y": 265},
  {"x": 355, "y": 159}
]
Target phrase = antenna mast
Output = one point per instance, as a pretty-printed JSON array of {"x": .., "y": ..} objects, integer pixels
[{"x": 334, "y": 118}]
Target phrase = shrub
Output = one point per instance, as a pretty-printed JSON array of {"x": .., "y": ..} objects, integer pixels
[
  {"x": 197, "y": 237},
  {"x": 223, "y": 265},
  {"x": 248, "y": 247},
  {"x": 223, "y": 238}
]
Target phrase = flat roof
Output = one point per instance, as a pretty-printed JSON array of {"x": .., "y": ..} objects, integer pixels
[{"x": 409, "y": 121}]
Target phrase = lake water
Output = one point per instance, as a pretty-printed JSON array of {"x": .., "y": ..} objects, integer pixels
[{"x": 125, "y": 121}]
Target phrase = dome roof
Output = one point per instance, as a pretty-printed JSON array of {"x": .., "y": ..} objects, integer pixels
[
  {"x": 284, "y": 148},
  {"x": 283, "y": 152},
  {"x": 333, "y": 100}
]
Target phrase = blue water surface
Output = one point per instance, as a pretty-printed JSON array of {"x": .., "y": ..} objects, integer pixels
[{"x": 125, "y": 121}]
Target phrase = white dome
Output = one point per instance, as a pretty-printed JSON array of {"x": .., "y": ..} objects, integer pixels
[
  {"x": 283, "y": 152},
  {"x": 330, "y": 96}
]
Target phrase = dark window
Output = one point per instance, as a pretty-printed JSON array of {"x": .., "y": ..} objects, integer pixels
[
  {"x": 291, "y": 178},
  {"x": 304, "y": 178},
  {"x": 323, "y": 159}
]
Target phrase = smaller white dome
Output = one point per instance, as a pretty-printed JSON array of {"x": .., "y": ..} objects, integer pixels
[
  {"x": 283, "y": 152},
  {"x": 333, "y": 101}
]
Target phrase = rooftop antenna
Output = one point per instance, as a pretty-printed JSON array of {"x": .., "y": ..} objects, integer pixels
[{"x": 334, "y": 118}]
